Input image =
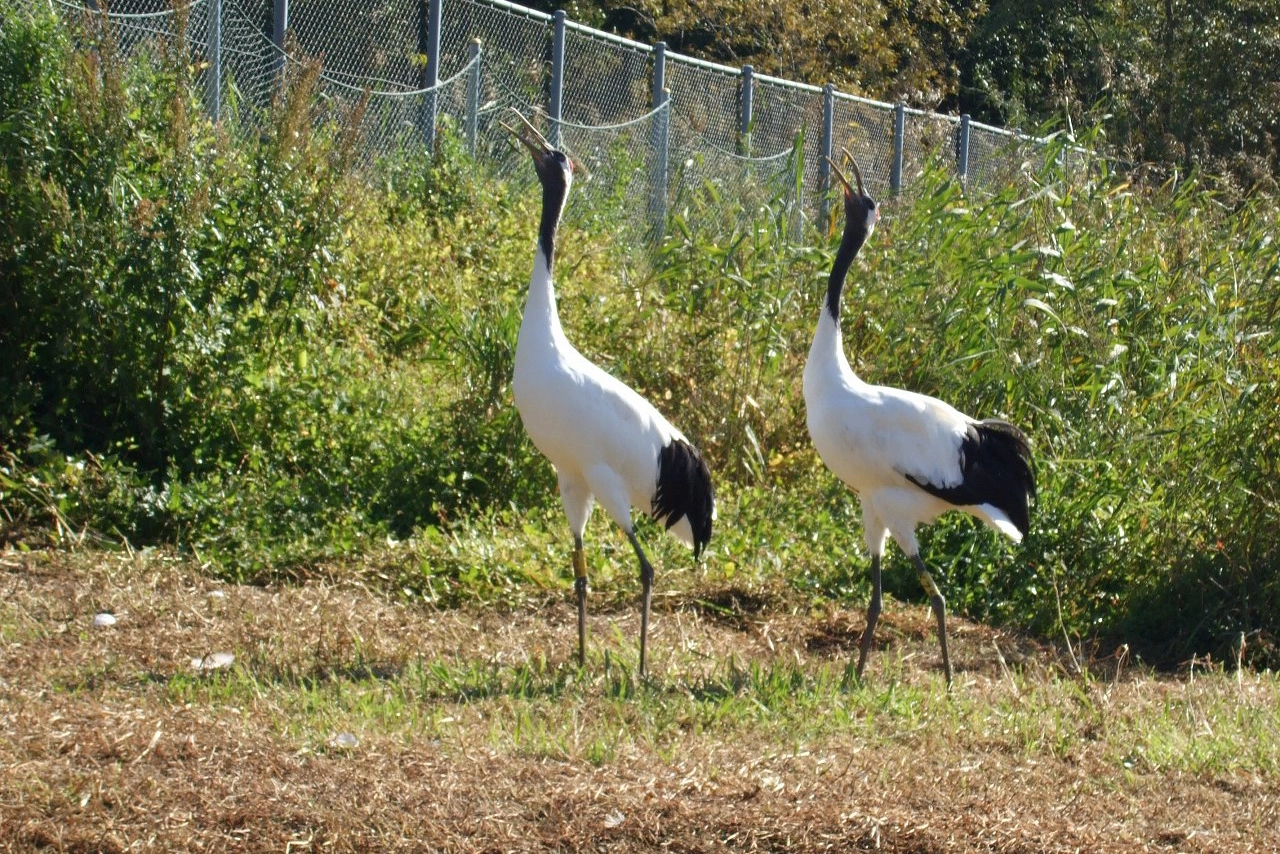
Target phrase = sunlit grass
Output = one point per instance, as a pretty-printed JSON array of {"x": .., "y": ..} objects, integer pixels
[
  {"x": 342, "y": 704},
  {"x": 1213, "y": 723}
]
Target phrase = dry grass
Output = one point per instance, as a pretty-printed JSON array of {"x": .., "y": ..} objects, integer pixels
[{"x": 475, "y": 733}]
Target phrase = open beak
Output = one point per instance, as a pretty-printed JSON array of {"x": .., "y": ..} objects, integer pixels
[
  {"x": 538, "y": 144},
  {"x": 857, "y": 173},
  {"x": 528, "y": 134},
  {"x": 848, "y": 188}
]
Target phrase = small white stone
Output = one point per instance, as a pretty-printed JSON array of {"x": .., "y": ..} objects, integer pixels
[
  {"x": 104, "y": 619},
  {"x": 216, "y": 661},
  {"x": 613, "y": 820},
  {"x": 346, "y": 741}
]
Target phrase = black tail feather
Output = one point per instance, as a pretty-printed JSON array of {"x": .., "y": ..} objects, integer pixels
[
  {"x": 685, "y": 491},
  {"x": 1004, "y": 461},
  {"x": 998, "y": 469}
]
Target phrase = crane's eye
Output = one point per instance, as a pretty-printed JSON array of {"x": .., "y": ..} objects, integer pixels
[{"x": 561, "y": 159}]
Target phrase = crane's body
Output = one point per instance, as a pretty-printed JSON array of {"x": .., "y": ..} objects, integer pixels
[
  {"x": 602, "y": 437},
  {"x": 605, "y": 441},
  {"x": 910, "y": 457},
  {"x": 890, "y": 446}
]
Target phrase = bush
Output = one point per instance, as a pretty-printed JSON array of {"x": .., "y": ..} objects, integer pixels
[{"x": 244, "y": 342}]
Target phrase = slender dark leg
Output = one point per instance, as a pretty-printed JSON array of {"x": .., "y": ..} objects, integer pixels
[
  {"x": 939, "y": 610},
  {"x": 646, "y": 595},
  {"x": 873, "y": 614},
  {"x": 580, "y": 586}
]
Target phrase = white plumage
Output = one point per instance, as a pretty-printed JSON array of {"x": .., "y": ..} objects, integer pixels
[
  {"x": 910, "y": 457},
  {"x": 606, "y": 442}
]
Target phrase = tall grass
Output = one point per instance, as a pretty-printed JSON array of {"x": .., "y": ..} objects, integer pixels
[{"x": 250, "y": 347}]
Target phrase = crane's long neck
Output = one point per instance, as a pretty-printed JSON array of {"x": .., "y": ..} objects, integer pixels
[
  {"x": 827, "y": 345},
  {"x": 540, "y": 308}
]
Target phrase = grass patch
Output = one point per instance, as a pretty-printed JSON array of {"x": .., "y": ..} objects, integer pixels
[{"x": 345, "y": 708}]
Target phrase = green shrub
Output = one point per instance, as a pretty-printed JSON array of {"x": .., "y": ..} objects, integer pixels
[{"x": 247, "y": 342}]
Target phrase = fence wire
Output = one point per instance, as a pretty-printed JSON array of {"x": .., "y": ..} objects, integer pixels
[{"x": 647, "y": 158}]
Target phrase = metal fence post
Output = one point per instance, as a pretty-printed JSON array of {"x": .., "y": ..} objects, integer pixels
[
  {"x": 556, "y": 101},
  {"x": 962, "y": 155},
  {"x": 899, "y": 141},
  {"x": 473, "y": 96},
  {"x": 828, "y": 151},
  {"x": 660, "y": 97},
  {"x": 215, "y": 60},
  {"x": 744, "y": 110},
  {"x": 279, "y": 24},
  {"x": 429, "y": 44}
]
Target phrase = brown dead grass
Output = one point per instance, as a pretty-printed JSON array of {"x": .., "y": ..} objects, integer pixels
[{"x": 97, "y": 755}]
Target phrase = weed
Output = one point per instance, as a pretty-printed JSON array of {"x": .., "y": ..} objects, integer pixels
[{"x": 247, "y": 342}]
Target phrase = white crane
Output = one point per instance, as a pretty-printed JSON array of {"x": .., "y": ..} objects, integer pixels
[
  {"x": 909, "y": 457},
  {"x": 606, "y": 442}
]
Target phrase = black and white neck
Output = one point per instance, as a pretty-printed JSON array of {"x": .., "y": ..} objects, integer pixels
[
  {"x": 555, "y": 171},
  {"x": 860, "y": 216},
  {"x": 540, "y": 326}
]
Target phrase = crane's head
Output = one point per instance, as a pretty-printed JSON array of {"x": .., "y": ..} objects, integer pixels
[
  {"x": 860, "y": 210},
  {"x": 551, "y": 163}
]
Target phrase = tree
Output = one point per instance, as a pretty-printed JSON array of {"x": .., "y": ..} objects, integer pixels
[
  {"x": 1175, "y": 83},
  {"x": 1025, "y": 62},
  {"x": 1204, "y": 87},
  {"x": 887, "y": 49}
]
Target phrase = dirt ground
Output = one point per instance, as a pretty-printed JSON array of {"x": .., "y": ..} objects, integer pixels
[{"x": 96, "y": 755}]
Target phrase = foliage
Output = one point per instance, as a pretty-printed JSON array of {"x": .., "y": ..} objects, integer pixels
[
  {"x": 195, "y": 321},
  {"x": 1024, "y": 62},
  {"x": 255, "y": 348},
  {"x": 1192, "y": 97},
  {"x": 1175, "y": 83},
  {"x": 883, "y": 48}
]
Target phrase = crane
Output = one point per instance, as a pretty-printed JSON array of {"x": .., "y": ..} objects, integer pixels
[
  {"x": 605, "y": 441},
  {"x": 908, "y": 456}
]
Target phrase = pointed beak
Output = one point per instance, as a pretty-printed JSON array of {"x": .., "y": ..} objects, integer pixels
[
  {"x": 528, "y": 135},
  {"x": 848, "y": 188},
  {"x": 857, "y": 173}
]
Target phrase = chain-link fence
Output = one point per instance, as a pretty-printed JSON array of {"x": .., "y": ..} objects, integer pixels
[{"x": 656, "y": 129}]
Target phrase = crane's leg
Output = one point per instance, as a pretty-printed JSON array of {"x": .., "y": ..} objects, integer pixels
[
  {"x": 939, "y": 609},
  {"x": 873, "y": 614},
  {"x": 580, "y": 587},
  {"x": 875, "y": 532},
  {"x": 646, "y": 594},
  {"x": 577, "y": 501}
]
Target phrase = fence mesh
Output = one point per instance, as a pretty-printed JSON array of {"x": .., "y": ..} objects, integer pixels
[
  {"x": 866, "y": 131},
  {"x": 645, "y": 162},
  {"x": 380, "y": 45},
  {"x": 704, "y": 106},
  {"x": 250, "y": 61},
  {"x": 605, "y": 83},
  {"x": 995, "y": 156}
]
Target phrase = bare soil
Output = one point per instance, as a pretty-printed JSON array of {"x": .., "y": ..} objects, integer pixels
[{"x": 97, "y": 755}]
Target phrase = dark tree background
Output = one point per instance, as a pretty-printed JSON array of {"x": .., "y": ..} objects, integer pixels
[{"x": 1176, "y": 84}]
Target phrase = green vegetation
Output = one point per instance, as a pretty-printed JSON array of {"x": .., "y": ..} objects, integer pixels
[{"x": 243, "y": 346}]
